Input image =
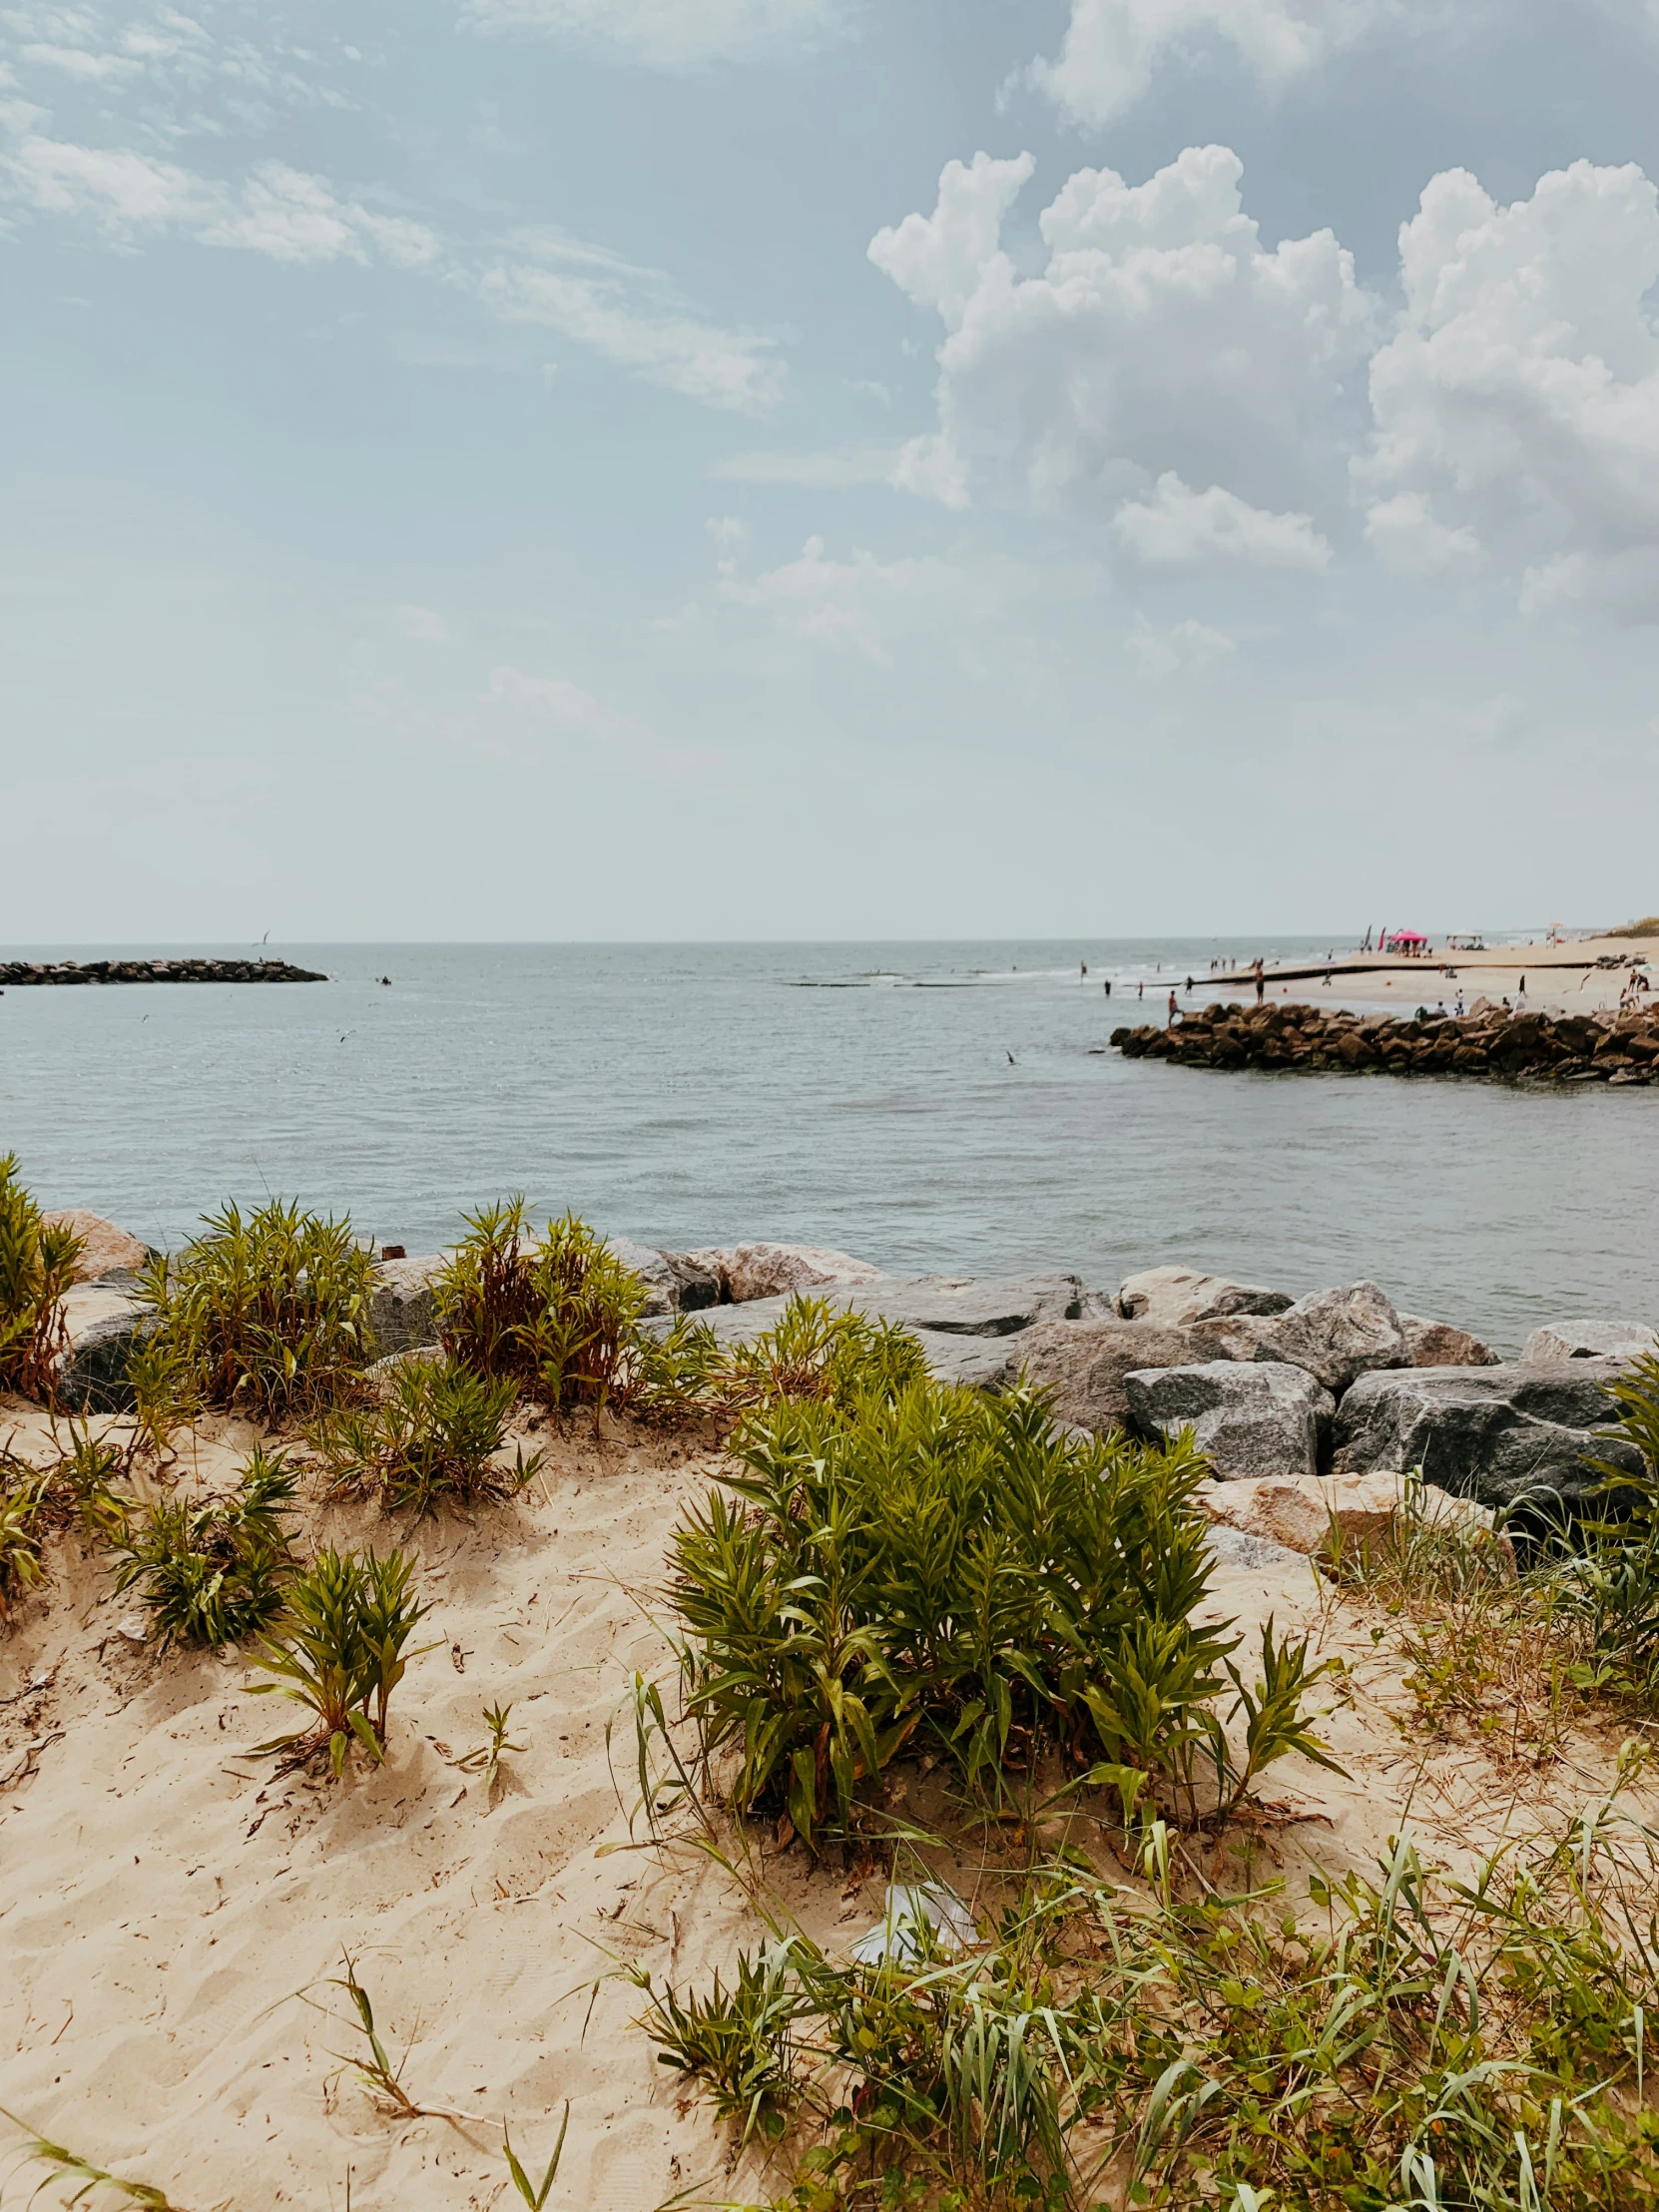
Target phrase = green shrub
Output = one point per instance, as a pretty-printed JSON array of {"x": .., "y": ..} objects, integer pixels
[
  {"x": 928, "y": 1562},
  {"x": 37, "y": 1266},
  {"x": 559, "y": 1316},
  {"x": 266, "y": 1315},
  {"x": 1613, "y": 1582},
  {"x": 429, "y": 1442},
  {"x": 73, "y": 1493},
  {"x": 339, "y": 1651},
  {"x": 809, "y": 1351},
  {"x": 212, "y": 1573}
]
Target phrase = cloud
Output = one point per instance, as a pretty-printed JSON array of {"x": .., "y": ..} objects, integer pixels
[
  {"x": 1516, "y": 406},
  {"x": 277, "y": 210},
  {"x": 924, "y": 465},
  {"x": 425, "y": 624},
  {"x": 673, "y": 34},
  {"x": 1113, "y": 48},
  {"x": 1160, "y": 337},
  {"x": 1164, "y": 653},
  {"x": 846, "y": 605},
  {"x": 1406, "y": 533},
  {"x": 552, "y": 701},
  {"x": 1180, "y": 525},
  {"x": 733, "y": 370},
  {"x": 75, "y": 61}
]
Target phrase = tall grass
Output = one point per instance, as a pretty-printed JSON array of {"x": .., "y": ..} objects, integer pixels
[
  {"x": 429, "y": 1441},
  {"x": 265, "y": 1315},
  {"x": 37, "y": 1266},
  {"x": 915, "y": 1565},
  {"x": 212, "y": 1572},
  {"x": 1414, "y": 2044},
  {"x": 339, "y": 1650},
  {"x": 556, "y": 1315}
]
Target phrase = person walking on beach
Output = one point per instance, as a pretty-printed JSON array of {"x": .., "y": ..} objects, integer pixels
[
  {"x": 1260, "y": 983},
  {"x": 1173, "y": 1009},
  {"x": 1108, "y": 986}
]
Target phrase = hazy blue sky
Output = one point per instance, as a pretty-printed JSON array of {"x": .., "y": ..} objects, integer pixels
[{"x": 701, "y": 468}]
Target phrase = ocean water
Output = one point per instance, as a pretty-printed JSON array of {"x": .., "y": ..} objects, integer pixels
[{"x": 927, "y": 1107}]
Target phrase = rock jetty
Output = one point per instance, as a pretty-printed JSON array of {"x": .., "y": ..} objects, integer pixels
[
  {"x": 22, "y": 972},
  {"x": 1491, "y": 1041}
]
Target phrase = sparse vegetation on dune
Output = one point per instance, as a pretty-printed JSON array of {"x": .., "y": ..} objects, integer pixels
[
  {"x": 429, "y": 1441},
  {"x": 339, "y": 1649},
  {"x": 212, "y": 1572},
  {"x": 37, "y": 1266},
  {"x": 265, "y": 1315}
]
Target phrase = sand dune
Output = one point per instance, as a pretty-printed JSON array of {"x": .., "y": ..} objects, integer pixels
[{"x": 162, "y": 1899}]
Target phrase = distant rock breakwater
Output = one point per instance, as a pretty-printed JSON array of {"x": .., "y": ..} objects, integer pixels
[
  {"x": 1491, "y": 1041},
  {"x": 24, "y": 972}
]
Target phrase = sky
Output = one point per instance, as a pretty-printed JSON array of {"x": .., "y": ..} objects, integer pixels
[{"x": 721, "y": 469}]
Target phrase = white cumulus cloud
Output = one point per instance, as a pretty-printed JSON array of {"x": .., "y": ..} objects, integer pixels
[
  {"x": 1180, "y": 525},
  {"x": 1161, "y": 338},
  {"x": 672, "y": 34},
  {"x": 1189, "y": 644},
  {"x": 1516, "y": 406}
]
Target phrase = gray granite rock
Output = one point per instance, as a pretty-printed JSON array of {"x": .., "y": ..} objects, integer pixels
[
  {"x": 746, "y": 1272},
  {"x": 105, "y": 1324},
  {"x": 1236, "y": 1548},
  {"x": 1083, "y": 1364},
  {"x": 932, "y": 1305},
  {"x": 401, "y": 1315},
  {"x": 1177, "y": 1298},
  {"x": 1491, "y": 1434},
  {"x": 1437, "y": 1344},
  {"x": 1589, "y": 1340},
  {"x": 1256, "y": 1419},
  {"x": 1336, "y": 1335},
  {"x": 674, "y": 1282}
]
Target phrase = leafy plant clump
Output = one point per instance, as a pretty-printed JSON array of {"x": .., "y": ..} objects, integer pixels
[
  {"x": 212, "y": 1573},
  {"x": 37, "y": 1266},
  {"x": 1418, "y": 2044},
  {"x": 339, "y": 1650},
  {"x": 928, "y": 1567},
  {"x": 809, "y": 1351},
  {"x": 430, "y": 1440},
  {"x": 74, "y": 1494},
  {"x": 265, "y": 1314},
  {"x": 558, "y": 1316}
]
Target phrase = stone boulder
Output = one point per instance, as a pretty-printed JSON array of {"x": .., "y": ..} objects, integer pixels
[
  {"x": 105, "y": 1249},
  {"x": 401, "y": 1315},
  {"x": 674, "y": 1283},
  {"x": 1299, "y": 1514},
  {"x": 1489, "y": 1433},
  {"x": 1177, "y": 1298},
  {"x": 1587, "y": 1339},
  {"x": 1337, "y": 1336},
  {"x": 1084, "y": 1365},
  {"x": 748, "y": 1272},
  {"x": 1437, "y": 1344},
  {"x": 105, "y": 1324},
  {"x": 1261, "y": 1420},
  {"x": 930, "y": 1304}
]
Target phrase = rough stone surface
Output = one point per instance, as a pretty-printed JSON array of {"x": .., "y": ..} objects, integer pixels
[
  {"x": 1262, "y": 1419},
  {"x": 103, "y": 1325},
  {"x": 1236, "y": 1548},
  {"x": 1176, "y": 1298},
  {"x": 674, "y": 1282},
  {"x": 748, "y": 1272},
  {"x": 1336, "y": 1335},
  {"x": 1084, "y": 1364},
  {"x": 932, "y": 1305},
  {"x": 1299, "y": 1514},
  {"x": 1491, "y": 1434},
  {"x": 402, "y": 1315},
  {"x": 987, "y": 1363},
  {"x": 1437, "y": 1344},
  {"x": 106, "y": 1250},
  {"x": 1587, "y": 1339}
]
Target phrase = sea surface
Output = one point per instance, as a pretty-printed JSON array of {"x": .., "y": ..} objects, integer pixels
[{"x": 929, "y": 1107}]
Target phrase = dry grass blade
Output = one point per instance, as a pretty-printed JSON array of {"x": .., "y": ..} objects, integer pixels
[
  {"x": 68, "y": 2167},
  {"x": 535, "y": 2193},
  {"x": 382, "y": 2080}
]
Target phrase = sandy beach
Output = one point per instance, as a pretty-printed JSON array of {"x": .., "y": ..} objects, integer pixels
[
  {"x": 1557, "y": 977},
  {"x": 140, "y": 1836}
]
